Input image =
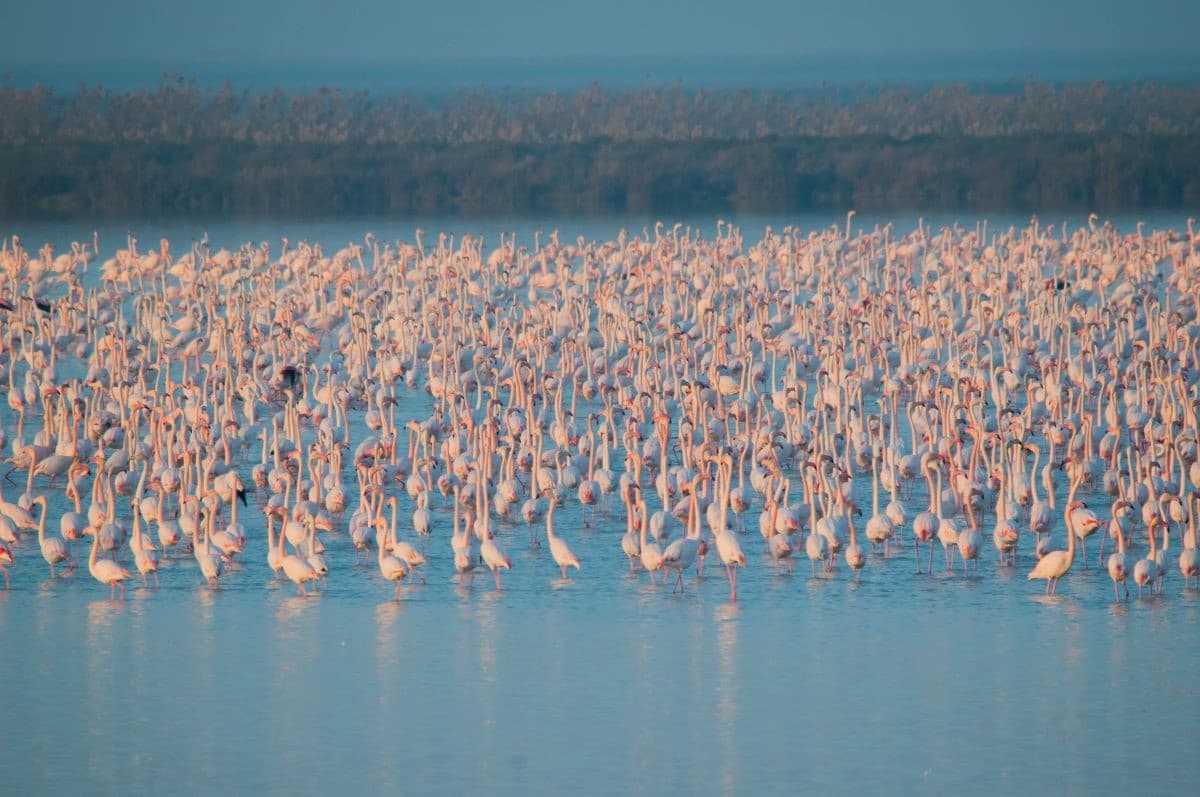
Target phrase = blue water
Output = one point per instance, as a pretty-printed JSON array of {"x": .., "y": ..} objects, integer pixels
[
  {"x": 538, "y": 73},
  {"x": 603, "y": 684}
]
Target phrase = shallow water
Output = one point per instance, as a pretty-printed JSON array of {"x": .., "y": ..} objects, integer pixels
[{"x": 602, "y": 684}]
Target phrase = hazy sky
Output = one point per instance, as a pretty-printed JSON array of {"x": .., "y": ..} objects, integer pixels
[{"x": 348, "y": 30}]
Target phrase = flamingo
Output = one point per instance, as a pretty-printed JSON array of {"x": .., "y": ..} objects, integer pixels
[
  {"x": 210, "y": 564},
  {"x": 412, "y": 557},
  {"x": 681, "y": 554},
  {"x": 144, "y": 559},
  {"x": 53, "y": 548},
  {"x": 390, "y": 567},
  {"x": 880, "y": 527},
  {"x": 651, "y": 554},
  {"x": 559, "y": 550},
  {"x": 1118, "y": 567},
  {"x": 1054, "y": 565},
  {"x": 464, "y": 562},
  {"x": 6, "y": 560},
  {"x": 854, "y": 556},
  {"x": 297, "y": 569},
  {"x": 815, "y": 547},
  {"x": 777, "y": 544},
  {"x": 105, "y": 571},
  {"x": 495, "y": 558},
  {"x": 630, "y": 543},
  {"x": 1145, "y": 571},
  {"x": 1189, "y": 557}
]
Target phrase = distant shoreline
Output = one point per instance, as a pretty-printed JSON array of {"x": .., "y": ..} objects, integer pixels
[{"x": 182, "y": 150}]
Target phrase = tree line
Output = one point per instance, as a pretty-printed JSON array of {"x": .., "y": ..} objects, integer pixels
[{"x": 180, "y": 149}]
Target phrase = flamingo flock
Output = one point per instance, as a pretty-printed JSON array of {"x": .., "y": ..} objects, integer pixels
[{"x": 845, "y": 393}]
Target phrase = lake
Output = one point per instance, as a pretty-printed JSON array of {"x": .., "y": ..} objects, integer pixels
[{"x": 602, "y": 684}]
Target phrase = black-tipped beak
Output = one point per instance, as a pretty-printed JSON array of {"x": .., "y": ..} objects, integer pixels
[{"x": 241, "y": 494}]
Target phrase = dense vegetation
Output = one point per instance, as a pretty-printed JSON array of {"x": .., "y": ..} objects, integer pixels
[{"x": 183, "y": 149}]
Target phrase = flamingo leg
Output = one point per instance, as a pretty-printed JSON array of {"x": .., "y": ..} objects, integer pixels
[{"x": 917, "y": 555}]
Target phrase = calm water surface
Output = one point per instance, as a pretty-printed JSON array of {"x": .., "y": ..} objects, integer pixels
[{"x": 600, "y": 685}]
